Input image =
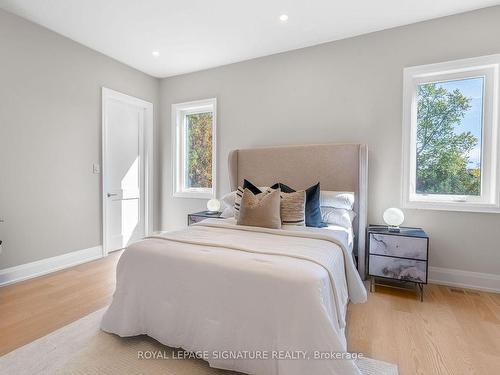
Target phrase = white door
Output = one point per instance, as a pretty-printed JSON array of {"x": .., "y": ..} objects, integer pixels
[{"x": 124, "y": 169}]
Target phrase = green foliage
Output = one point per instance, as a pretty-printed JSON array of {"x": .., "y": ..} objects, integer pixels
[
  {"x": 442, "y": 161},
  {"x": 199, "y": 150}
]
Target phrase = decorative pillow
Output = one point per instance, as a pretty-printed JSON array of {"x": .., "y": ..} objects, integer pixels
[
  {"x": 239, "y": 193},
  {"x": 260, "y": 210},
  {"x": 237, "y": 202},
  {"x": 239, "y": 196},
  {"x": 312, "y": 209},
  {"x": 248, "y": 185},
  {"x": 293, "y": 208},
  {"x": 337, "y": 199},
  {"x": 338, "y": 216}
]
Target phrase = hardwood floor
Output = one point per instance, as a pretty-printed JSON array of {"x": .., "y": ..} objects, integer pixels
[
  {"x": 36, "y": 307},
  {"x": 453, "y": 332}
]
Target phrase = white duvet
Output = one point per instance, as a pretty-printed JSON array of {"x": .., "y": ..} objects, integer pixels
[{"x": 221, "y": 288}]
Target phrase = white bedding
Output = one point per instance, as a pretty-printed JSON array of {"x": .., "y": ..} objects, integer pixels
[{"x": 220, "y": 287}]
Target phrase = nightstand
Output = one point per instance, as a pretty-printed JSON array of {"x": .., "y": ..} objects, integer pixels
[
  {"x": 398, "y": 258},
  {"x": 202, "y": 215}
]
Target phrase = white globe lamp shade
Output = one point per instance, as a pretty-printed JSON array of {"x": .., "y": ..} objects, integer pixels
[
  {"x": 394, "y": 217},
  {"x": 213, "y": 205}
]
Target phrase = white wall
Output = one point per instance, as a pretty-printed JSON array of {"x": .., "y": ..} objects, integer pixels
[
  {"x": 50, "y": 135},
  {"x": 345, "y": 91}
]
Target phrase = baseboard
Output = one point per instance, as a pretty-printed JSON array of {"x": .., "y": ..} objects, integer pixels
[
  {"x": 487, "y": 282},
  {"x": 157, "y": 232},
  {"x": 41, "y": 267}
]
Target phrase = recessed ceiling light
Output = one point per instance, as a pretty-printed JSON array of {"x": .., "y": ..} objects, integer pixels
[
  {"x": 284, "y": 17},
  {"x": 156, "y": 53}
]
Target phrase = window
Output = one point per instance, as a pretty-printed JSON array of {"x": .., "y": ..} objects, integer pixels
[
  {"x": 193, "y": 138},
  {"x": 450, "y": 135}
]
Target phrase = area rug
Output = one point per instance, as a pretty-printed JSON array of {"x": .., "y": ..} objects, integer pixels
[{"x": 80, "y": 348}]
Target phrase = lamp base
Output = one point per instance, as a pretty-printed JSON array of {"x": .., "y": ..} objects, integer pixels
[
  {"x": 208, "y": 212},
  {"x": 393, "y": 228}
]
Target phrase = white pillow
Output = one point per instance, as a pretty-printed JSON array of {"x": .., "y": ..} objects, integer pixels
[
  {"x": 337, "y": 199},
  {"x": 227, "y": 212},
  {"x": 338, "y": 216}
]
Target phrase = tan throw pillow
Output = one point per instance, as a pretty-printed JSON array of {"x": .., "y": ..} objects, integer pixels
[
  {"x": 293, "y": 206},
  {"x": 239, "y": 195},
  {"x": 261, "y": 210}
]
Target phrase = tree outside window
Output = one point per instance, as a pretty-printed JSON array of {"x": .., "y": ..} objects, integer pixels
[
  {"x": 199, "y": 146},
  {"x": 449, "y": 131}
]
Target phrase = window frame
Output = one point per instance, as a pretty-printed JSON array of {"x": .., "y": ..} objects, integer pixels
[
  {"x": 179, "y": 112},
  {"x": 489, "y": 200}
]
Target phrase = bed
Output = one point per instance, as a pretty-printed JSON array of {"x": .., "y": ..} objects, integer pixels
[{"x": 250, "y": 299}]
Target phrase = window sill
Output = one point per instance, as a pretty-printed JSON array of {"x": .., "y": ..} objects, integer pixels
[
  {"x": 194, "y": 195},
  {"x": 452, "y": 206}
]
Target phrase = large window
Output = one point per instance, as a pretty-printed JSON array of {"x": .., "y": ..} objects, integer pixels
[
  {"x": 450, "y": 137},
  {"x": 193, "y": 136}
]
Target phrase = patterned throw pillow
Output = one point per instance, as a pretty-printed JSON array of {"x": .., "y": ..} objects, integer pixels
[
  {"x": 260, "y": 210},
  {"x": 313, "y": 211},
  {"x": 293, "y": 208}
]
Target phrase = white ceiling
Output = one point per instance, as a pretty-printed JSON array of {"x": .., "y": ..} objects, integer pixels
[{"x": 193, "y": 35}]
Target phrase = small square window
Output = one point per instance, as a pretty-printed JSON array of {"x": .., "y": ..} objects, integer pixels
[
  {"x": 194, "y": 125},
  {"x": 450, "y": 137}
]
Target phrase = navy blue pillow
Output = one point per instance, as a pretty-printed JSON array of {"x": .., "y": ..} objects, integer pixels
[
  {"x": 313, "y": 209},
  {"x": 275, "y": 186},
  {"x": 248, "y": 185},
  {"x": 254, "y": 189}
]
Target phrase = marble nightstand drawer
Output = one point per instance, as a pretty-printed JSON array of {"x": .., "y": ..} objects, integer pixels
[
  {"x": 398, "y": 268},
  {"x": 398, "y": 246}
]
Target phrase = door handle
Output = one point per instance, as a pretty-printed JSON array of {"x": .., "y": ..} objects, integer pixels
[{"x": 112, "y": 195}]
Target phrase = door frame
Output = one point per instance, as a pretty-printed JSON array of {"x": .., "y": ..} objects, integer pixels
[{"x": 108, "y": 94}]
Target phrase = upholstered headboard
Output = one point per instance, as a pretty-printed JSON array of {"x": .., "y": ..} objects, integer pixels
[{"x": 338, "y": 167}]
